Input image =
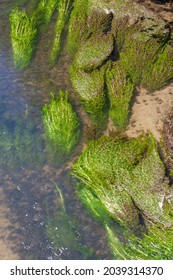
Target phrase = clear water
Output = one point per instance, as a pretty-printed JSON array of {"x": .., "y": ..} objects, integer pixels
[{"x": 28, "y": 190}]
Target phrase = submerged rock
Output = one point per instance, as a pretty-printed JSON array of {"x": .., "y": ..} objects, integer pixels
[
  {"x": 90, "y": 90},
  {"x": 94, "y": 52},
  {"x": 128, "y": 177}
]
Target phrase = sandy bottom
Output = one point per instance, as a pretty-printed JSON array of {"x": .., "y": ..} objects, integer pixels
[
  {"x": 149, "y": 111},
  {"x": 6, "y": 245}
]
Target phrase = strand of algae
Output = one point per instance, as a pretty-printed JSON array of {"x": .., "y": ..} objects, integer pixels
[
  {"x": 64, "y": 8},
  {"x": 45, "y": 10}
]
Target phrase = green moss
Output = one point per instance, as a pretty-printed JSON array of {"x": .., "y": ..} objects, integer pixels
[
  {"x": 123, "y": 175},
  {"x": 94, "y": 52},
  {"x": 90, "y": 90},
  {"x": 63, "y": 12},
  {"x": 78, "y": 30},
  {"x": 20, "y": 144},
  {"x": 61, "y": 126},
  {"x": 120, "y": 90},
  {"x": 23, "y": 36}
]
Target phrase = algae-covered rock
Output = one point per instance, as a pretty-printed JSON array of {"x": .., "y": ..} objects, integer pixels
[
  {"x": 127, "y": 176},
  {"x": 143, "y": 42},
  {"x": 94, "y": 52},
  {"x": 120, "y": 90},
  {"x": 90, "y": 89},
  {"x": 142, "y": 39}
]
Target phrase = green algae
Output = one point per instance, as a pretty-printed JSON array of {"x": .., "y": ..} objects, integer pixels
[
  {"x": 95, "y": 169},
  {"x": 24, "y": 30},
  {"x": 64, "y": 8},
  {"x": 93, "y": 204},
  {"x": 61, "y": 126},
  {"x": 120, "y": 90},
  {"x": 23, "y": 35}
]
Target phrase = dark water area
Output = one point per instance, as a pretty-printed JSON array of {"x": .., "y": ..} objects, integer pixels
[{"x": 28, "y": 189}]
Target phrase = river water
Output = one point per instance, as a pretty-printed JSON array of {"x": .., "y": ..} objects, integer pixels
[{"x": 27, "y": 193}]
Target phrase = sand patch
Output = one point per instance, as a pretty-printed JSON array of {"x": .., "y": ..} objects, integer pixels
[{"x": 149, "y": 111}]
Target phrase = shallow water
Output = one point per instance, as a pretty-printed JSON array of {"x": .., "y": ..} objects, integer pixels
[{"x": 28, "y": 196}]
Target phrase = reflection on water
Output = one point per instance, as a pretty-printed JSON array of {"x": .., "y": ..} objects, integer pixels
[{"x": 26, "y": 177}]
